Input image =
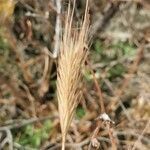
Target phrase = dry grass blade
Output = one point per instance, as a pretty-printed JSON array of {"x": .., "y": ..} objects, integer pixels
[{"x": 72, "y": 57}]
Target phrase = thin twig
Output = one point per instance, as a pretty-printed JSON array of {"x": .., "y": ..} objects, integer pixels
[
  {"x": 101, "y": 23},
  {"x": 140, "y": 137},
  {"x": 7, "y": 140},
  {"x": 22, "y": 123},
  {"x": 31, "y": 100},
  {"x": 119, "y": 92},
  {"x": 77, "y": 146},
  {"x": 44, "y": 83},
  {"x": 112, "y": 139},
  {"x": 101, "y": 101},
  {"x": 20, "y": 147},
  {"x": 57, "y": 29},
  {"x": 103, "y": 117},
  {"x": 131, "y": 71},
  {"x": 94, "y": 142}
]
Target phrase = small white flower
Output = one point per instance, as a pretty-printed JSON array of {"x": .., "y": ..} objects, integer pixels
[{"x": 105, "y": 117}]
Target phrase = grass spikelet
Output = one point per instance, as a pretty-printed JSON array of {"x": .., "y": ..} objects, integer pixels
[{"x": 71, "y": 59}]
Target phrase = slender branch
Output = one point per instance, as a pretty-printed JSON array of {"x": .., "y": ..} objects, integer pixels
[
  {"x": 101, "y": 101},
  {"x": 78, "y": 146},
  {"x": 112, "y": 138},
  {"x": 22, "y": 123},
  {"x": 140, "y": 137},
  {"x": 101, "y": 23},
  {"x": 7, "y": 140},
  {"x": 57, "y": 29},
  {"x": 119, "y": 92},
  {"x": 131, "y": 71},
  {"x": 94, "y": 142}
]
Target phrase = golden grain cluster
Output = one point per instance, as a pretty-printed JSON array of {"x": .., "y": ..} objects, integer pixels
[{"x": 71, "y": 59}]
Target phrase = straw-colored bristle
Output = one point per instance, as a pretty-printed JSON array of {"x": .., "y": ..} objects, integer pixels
[{"x": 71, "y": 59}]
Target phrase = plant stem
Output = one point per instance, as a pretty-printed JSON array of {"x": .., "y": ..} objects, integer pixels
[{"x": 63, "y": 142}]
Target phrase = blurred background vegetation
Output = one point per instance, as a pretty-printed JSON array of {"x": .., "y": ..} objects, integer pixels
[{"x": 120, "y": 58}]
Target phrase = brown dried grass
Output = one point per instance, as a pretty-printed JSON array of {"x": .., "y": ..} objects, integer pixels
[{"x": 71, "y": 59}]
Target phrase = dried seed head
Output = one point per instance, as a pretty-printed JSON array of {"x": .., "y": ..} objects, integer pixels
[{"x": 71, "y": 59}]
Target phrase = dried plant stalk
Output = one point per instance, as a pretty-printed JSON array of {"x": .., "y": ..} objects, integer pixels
[{"x": 71, "y": 59}]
